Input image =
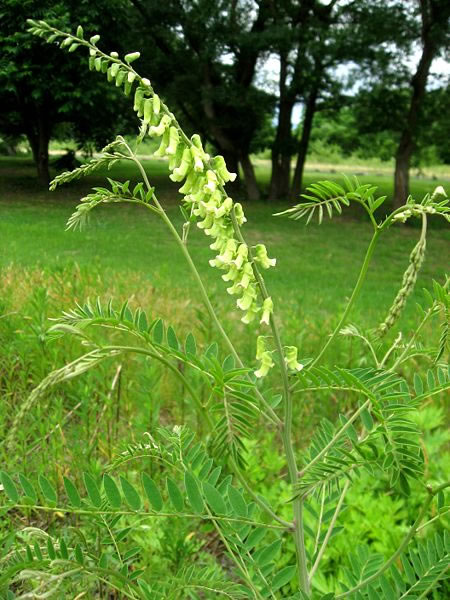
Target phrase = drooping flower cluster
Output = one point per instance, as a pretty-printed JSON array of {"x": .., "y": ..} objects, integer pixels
[
  {"x": 203, "y": 177},
  {"x": 203, "y": 190}
]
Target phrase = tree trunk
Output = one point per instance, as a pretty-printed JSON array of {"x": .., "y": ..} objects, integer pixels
[
  {"x": 282, "y": 146},
  {"x": 304, "y": 142},
  {"x": 418, "y": 83},
  {"x": 401, "y": 176},
  {"x": 281, "y": 154},
  {"x": 251, "y": 186},
  {"x": 39, "y": 138}
]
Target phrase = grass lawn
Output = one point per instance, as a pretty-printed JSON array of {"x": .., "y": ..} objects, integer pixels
[{"x": 317, "y": 265}]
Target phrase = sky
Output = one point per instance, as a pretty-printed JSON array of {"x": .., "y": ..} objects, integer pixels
[{"x": 269, "y": 74}]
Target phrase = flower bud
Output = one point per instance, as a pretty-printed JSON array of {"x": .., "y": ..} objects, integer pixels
[
  {"x": 158, "y": 130},
  {"x": 221, "y": 168},
  {"x": 218, "y": 229},
  {"x": 189, "y": 184},
  {"x": 225, "y": 208},
  {"x": 267, "y": 309},
  {"x": 250, "y": 314},
  {"x": 163, "y": 146},
  {"x": 232, "y": 274},
  {"x": 211, "y": 186},
  {"x": 247, "y": 299},
  {"x": 148, "y": 107},
  {"x": 180, "y": 172},
  {"x": 94, "y": 39},
  {"x": 239, "y": 213},
  {"x": 156, "y": 104},
  {"x": 131, "y": 57},
  {"x": 198, "y": 163},
  {"x": 260, "y": 346},
  {"x": 207, "y": 222},
  {"x": 226, "y": 256},
  {"x": 247, "y": 276},
  {"x": 262, "y": 258},
  {"x": 174, "y": 138},
  {"x": 242, "y": 254},
  {"x": 266, "y": 364},
  {"x": 290, "y": 357},
  {"x": 439, "y": 191},
  {"x": 195, "y": 139}
]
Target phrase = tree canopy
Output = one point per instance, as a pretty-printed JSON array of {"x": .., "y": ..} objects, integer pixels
[{"x": 349, "y": 61}]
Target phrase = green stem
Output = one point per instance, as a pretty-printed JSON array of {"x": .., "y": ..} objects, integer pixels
[
  {"x": 330, "y": 530},
  {"x": 411, "y": 533},
  {"x": 286, "y": 430},
  {"x": 114, "y": 513},
  {"x": 438, "y": 516},
  {"x": 353, "y": 297}
]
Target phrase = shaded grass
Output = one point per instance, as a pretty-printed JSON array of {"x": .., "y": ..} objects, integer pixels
[{"x": 127, "y": 252}]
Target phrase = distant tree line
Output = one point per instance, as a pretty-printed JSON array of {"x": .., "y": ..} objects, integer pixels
[{"x": 345, "y": 62}]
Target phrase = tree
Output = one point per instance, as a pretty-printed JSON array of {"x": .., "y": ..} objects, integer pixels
[
  {"x": 40, "y": 91},
  {"x": 434, "y": 17},
  {"x": 204, "y": 57},
  {"x": 316, "y": 38}
]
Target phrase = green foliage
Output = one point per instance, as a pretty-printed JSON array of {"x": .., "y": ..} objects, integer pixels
[
  {"x": 333, "y": 197},
  {"x": 269, "y": 555}
]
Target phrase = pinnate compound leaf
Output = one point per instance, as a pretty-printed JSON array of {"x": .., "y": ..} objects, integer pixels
[
  {"x": 418, "y": 384},
  {"x": 131, "y": 495},
  {"x": 79, "y": 555},
  {"x": 63, "y": 549},
  {"x": 152, "y": 492},
  {"x": 112, "y": 491},
  {"x": 172, "y": 339},
  {"x": 256, "y": 536},
  {"x": 51, "y": 549}
]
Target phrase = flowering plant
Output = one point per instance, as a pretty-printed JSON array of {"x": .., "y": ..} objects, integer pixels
[{"x": 378, "y": 436}]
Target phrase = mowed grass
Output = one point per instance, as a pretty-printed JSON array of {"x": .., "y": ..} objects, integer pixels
[{"x": 316, "y": 270}]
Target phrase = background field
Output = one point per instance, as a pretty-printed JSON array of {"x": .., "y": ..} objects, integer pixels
[{"x": 127, "y": 253}]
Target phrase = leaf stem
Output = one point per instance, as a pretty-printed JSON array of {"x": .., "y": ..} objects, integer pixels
[{"x": 330, "y": 531}]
